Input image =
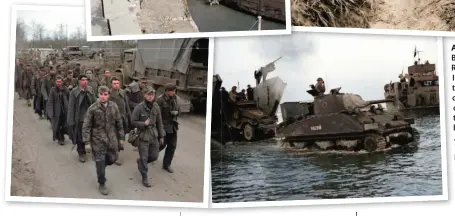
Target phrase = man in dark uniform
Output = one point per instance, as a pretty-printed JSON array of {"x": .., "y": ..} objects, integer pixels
[
  {"x": 118, "y": 96},
  {"x": 169, "y": 112},
  {"x": 147, "y": 119},
  {"x": 250, "y": 93},
  {"x": 57, "y": 106},
  {"x": 80, "y": 100}
]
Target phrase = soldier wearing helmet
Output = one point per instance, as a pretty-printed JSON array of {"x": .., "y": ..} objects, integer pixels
[{"x": 320, "y": 86}]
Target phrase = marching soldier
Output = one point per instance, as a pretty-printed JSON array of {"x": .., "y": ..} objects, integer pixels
[
  {"x": 80, "y": 100},
  {"x": 18, "y": 75},
  {"x": 106, "y": 81},
  {"x": 92, "y": 81},
  {"x": 134, "y": 92},
  {"x": 118, "y": 96},
  {"x": 38, "y": 101},
  {"x": 103, "y": 131},
  {"x": 147, "y": 119},
  {"x": 70, "y": 82},
  {"x": 27, "y": 77},
  {"x": 169, "y": 112},
  {"x": 57, "y": 107}
]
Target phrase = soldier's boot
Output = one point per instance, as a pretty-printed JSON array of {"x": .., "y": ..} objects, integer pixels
[
  {"x": 29, "y": 102},
  {"x": 118, "y": 162},
  {"x": 168, "y": 169},
  {"x": 103, "y": 189},
  {"x": 61, "y": 142},
  {"x": 82, "y": 158},
  {"x": 146, "y": 182}
]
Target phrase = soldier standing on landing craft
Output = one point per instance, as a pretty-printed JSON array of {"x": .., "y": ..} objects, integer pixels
[
  {"x": 102, "y": 130},
  {"x": 169, "y": 113}
]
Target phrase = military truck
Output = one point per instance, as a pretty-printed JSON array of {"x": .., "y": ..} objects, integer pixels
[
  {"x": 71, "y": 52},
  {"x": 183, "y": 62},
  {"x": 248, "y": 120},
  {"x": 417, "y": 89},
  {"x": 343, "y": 121}
]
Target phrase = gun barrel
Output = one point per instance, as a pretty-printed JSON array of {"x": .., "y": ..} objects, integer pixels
[{"x": 380, "y": 101}]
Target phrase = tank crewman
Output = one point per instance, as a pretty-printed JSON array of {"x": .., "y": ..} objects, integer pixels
[
  {"x": 320, "y": 86},
  {"x": 146, "y": 117},
  {"x": 57, "y": 107},
  {"x": 118, "y": 96},
  {"x": 70, "y": 82},
  {"x": 92, "y": 81},
  {"x": 250, "y": 93},
  {"x": 38, "y": 101},
  {"x": 169, "y": 113},
  {"x": 102, "y": 130},
  {"x": 27, "y": 77},
  {"x": 80, "y": 100},
  {"x": 233, "y": 94}
]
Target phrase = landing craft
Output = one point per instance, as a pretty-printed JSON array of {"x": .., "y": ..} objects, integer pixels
[
  {"x": 417, "y": 90},
  {"x": 342, "y": 121}
]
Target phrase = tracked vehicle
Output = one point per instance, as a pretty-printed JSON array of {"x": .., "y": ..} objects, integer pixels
[
  {"x": 342, "y": 121},
  {"x": 249, "y": 120},
  {"x": 417, "y": 90}
]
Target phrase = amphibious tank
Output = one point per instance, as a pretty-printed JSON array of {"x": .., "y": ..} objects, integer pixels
[
  {"x": 343, "y": 121},
  {"x": 416, "y": 90}
]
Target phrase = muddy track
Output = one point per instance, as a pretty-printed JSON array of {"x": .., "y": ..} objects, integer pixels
[{"x": 44, "y": 168}]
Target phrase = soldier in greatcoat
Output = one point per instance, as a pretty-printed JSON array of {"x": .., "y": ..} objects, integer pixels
[
  {"x": 18, "y": 77},
  {"x": 47, "y": 84},
  {"x": 38, "y": 101},
  {"x": 169, "y": 112},
  {"x": 57, "y": 108},
  {"x": 27, "y": 77},
  {"x": 106, "y": 80},
  {"x": 103, "y": 131},
  {"x": 80, "y": 100},
  {"x": 146, "y": 117},
  {"x": 118, "y": 96}
]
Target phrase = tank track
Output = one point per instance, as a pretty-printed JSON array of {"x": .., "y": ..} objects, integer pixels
[{"x": 380, "y": 140}]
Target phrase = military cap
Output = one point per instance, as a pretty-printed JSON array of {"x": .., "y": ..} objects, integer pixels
[
  {"x": 170, "y": 87},
  {"x": 135, "y": 79},
  {"x": 97, "y": 68},
  {"x": 41, "y": 68},
  {"x": 148, "y": 90},
  {"x": 103, "y": 89},
  {"x": 58, "y": 77},
  {"x": 143, "y": 78},
  {"x": 319, "y": 79}
]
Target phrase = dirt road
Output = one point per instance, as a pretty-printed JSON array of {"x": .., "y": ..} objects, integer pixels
[
  {"x": 44, "y": 168},
  {"x": 411, "y": 14}
]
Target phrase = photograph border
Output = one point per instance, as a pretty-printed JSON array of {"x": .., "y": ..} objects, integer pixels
[
  {"x": 443, "y": 139},
  {"x": 88, "y": 29},
  {"x": 374, "y": 31},
  {"x": 9, "y": 138}
]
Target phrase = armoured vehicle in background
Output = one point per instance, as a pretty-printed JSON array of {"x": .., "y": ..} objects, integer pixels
[
  {"x": 342, "y": 121},
  {"x": 183, "y": 62},
  {"x": 247, "y": 120},
  {"x": 418, "y": 89}
]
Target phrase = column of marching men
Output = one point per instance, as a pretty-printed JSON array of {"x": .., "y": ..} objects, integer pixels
[{"x": 97, "y": 114}]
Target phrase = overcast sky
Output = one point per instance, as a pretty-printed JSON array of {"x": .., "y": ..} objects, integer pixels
[
  {"x": 360, "y": 64},
  {"x": 72, "y": 16}
]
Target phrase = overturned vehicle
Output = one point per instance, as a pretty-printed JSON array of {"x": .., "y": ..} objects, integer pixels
[
  {"x": 343, "y": 121},
  {"x": 247, "y": 120}
]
